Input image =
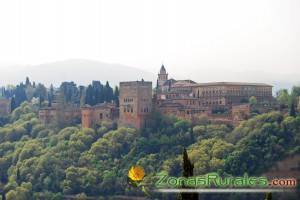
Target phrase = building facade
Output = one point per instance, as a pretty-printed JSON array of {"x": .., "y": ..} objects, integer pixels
[
  {"x": 231, "y": 93},
  {"x": 5, "y": 107},
  {"x": 135, "y": 101},
  {"x": 91, "y": 115},
  {"x": 227, "y": 101},
  {"x": 65, "y": 115},
  {"x": 47, "y": 115}
]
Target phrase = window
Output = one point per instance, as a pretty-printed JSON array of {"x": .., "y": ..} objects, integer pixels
[{"x": 101, "y": 116}]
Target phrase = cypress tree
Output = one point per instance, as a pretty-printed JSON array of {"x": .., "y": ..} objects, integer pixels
[
  {"x": 188, "y": 171},
  {"x": 292, "y": 110},
  {"x": 116, "y": 96},
  {"x": 27, "y": 83},
  {"x": 12, "y": 104}
]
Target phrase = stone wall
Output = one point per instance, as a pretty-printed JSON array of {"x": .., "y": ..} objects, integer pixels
[
  {"x": 4, "y": 106},
  {"x": 98, "y": 113}
]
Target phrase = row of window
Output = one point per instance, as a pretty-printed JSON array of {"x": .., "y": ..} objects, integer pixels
[
  {"x": 145, "y": 110},
  {"x": 101, "y": 116},
  {"x": 128, "y": 109},
  {"x": 195, "y": 111},
  {"x": 212, "y": 103},
  {"x": 128, "y": 100},
  {"x": 190, "y": 102},
  {"x": 236, "y": 93}
]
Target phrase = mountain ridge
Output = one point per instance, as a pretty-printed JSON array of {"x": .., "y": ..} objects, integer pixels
[{"x": 81, "y": 71}]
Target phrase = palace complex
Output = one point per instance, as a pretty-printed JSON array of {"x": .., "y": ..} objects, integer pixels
[{"x": 218, "y": 101}]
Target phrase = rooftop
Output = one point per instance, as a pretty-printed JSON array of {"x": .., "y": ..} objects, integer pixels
[
  {"x": 233, "y": 84},
  {"x": 184, "y": 83}
]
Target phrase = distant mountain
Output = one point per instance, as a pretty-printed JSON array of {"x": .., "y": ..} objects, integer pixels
[
  {"x": 83, "y": 71},
  {"x": 80, "y": 71}
]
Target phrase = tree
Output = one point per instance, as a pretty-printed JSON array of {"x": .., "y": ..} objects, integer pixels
[
  {"x": 116, "y": 96},
  {"x": 70, "y": 92},
  {"x": 50, "y": 95},
  {"x": 283, "y": 98},
  {"x": 253, "y": 101},
  {"x": 27, "y": 83},
  {"x": 13, "y": 104},
  {"x": 22, "y": 192},
  {"x": 97, "y": 93},
  {"x": 108, "y": 92},
  {"x": 295, "y": 91},
  {"x": 20, "y": 94},
  {"x": 82, "y": 95},
  {"x": 188, "y": 171},
  {"x": 41, "y": 93},
  {"x": 89, "y": 96},
  {"x": 292, "y": 110}
]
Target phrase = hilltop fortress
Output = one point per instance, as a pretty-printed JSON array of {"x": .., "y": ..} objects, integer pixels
[{"x": 227, "y": 102}]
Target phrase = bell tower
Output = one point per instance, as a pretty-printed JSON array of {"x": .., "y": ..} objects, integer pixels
[{"x": 162, "y": 76}]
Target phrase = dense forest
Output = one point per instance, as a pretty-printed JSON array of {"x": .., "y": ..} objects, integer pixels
[{"x": 47, "y": 162}]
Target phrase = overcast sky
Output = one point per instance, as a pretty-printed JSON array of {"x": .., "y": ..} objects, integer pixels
[{"x": 235, "y": 35}]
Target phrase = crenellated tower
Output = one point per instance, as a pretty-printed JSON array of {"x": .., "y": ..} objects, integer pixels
[{"x": 135, "y": 103}]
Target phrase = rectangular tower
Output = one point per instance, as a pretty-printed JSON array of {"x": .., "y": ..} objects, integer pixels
[{"x": 135, "y": 103}]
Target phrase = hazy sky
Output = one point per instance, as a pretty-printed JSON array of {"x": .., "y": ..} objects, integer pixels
[{"x": 186, "y": 35}]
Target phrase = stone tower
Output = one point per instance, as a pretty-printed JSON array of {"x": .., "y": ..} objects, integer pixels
[
  {"x": 162, "y": 76},
  {"x": 135, "y": 103}
]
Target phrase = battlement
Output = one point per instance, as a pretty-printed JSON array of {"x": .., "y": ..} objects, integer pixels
[{"x": 135, "y": 83}]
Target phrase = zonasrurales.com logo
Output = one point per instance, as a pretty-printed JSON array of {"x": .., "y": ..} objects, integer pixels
[
  {"x": 213, "y": 182},
  {"x": 208, "y": 183}
]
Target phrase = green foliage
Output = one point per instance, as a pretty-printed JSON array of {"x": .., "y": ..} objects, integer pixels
[
  {"x": 262, "y": 141},
  {"x": 98, "y": 93},
  {"x": 283, "y": 97},
  {"x": 208, "y": 155},
  {"x": 69, "y": 92},
  {"x": 292, "y": 111},
  {"x": 22, "y": 192},
  {"x": 211, "y": 130},
  {"x": 253, "y": 101},
  {"x": 37, "y": 162}
]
